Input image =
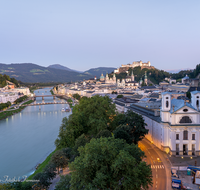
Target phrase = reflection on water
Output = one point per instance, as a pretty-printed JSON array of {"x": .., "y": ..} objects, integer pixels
[{"x": 28, "y": 137}]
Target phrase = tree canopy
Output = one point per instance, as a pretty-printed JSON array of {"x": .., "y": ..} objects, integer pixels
[
  {"x": 135, "y": 122},
  {"x": 109, "y": 163},
  {"x": 89, "y": 117}
]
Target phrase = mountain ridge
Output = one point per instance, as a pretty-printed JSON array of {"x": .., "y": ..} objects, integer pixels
[{"x": 33, "y": 73}]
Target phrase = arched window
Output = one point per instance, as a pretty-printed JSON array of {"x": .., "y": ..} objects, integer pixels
[
  {"x": 185, "y": 119},
  {"x": 167, "y": 104},
  {"x": 197, "y": 103},
  {"x": 185, "y": 135}
]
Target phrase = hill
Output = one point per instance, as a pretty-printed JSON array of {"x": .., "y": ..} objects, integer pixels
[
  {"x": 154, "y": 75},
  {"x": 4, "y": 80},
  {"x": 32, "y": 73},
  {"x": 58, "y": 66},
  {"x": 98, "y": 71}
]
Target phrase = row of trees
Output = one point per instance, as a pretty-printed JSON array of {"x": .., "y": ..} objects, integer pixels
[
  {"x": 101, "y": 147},
  {"x": 21, "y": 99},
  {"x": 5, "y": 105}
]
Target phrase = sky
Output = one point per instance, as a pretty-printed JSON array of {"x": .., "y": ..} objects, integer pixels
[{"x": 84, "y": 34}]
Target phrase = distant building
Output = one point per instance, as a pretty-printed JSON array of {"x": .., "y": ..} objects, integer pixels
[
  {"x": 102, "y": 79},
  {"x": 126, "y": 67}
]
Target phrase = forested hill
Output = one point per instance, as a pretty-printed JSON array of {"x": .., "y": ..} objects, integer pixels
[
  {"x": 4, "y": 78},
  {"x": 154, "y": 75},
  {"x": 191, "y": 73},
  {"x": 32, "y": 73}
]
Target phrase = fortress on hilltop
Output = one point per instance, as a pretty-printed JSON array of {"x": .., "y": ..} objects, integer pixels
[{"x": 125, "y": 68}]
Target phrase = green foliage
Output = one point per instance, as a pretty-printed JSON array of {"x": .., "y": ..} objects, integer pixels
[
  {"x": 22, "y": 186},
  {"x": 143, "y": 84},
  {"x": 6, "y": 114},
  {"x": 44, "y": 180},
  {"x": 154, "y": 75},
  {"x": 51, "y": 92},
  {"x": 6, "y": 186},
  {"x": 104, "y": 133},
  {"x": 69, "y": 100},
  {"x": 76, "y": 96},
  {"x": 5, "y": 105},
  {"x": 123, "y": 132},
  {"x": 64, "y": 183},
  {"x": 188, "y": 94},
  {"x": 89, "y": 117},
  {"x": 4, "y": 78},
  {"x": 42, "y": 165},
  {"x": 114, "y": 92},
  {"x": 21, "y": 99},
  {"x": 108, "y": 163},
  {"x": 120, "y": 96},
  {"x": 59, "y": 159},
  {"x": 135, "y": 122}
]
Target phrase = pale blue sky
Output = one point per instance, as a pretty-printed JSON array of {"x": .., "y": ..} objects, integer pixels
[{"x": 83, "y": 34}]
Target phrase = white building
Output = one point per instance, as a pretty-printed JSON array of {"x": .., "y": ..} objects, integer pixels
[
  {"x": 177, "y": 129},
  {"x": 24, "y": 90},
  {"x": 8, "y": 96}
]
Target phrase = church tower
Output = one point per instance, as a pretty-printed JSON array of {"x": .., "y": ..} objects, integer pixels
[
  {"x": 195, "y": 99},
  {"x": 145, "y": 78},
  {"x": 132, "y": 77},
  {"x": 107, "y": 78},
  {"x": 114, "y": 78}
]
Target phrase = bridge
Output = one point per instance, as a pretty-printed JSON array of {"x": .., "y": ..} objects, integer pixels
[
  {"x": 54, "y": 96},
  {"x": 43, "y": 103}
]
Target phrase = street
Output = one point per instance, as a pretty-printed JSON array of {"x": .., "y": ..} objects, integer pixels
[{"x": 157, "y": 166}]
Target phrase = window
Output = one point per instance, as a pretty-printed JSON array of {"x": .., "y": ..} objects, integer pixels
[
  {"x": 185, "y": 110},
  {"x": 197, "y": 103},
  {"x": 193, "y": 136},
  {"x": 185, "y": 135},
  {"x": 185, "y": 119},
  {"x": 167, "y": 104},
  {"x": 177, "y": 136}
]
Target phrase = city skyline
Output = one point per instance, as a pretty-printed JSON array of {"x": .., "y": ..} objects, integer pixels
[{"x": 83, "y": 35}]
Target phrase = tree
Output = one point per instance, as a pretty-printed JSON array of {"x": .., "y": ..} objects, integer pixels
[
  {"x": 188, "y": 94},
  {"x": 122, "y": 132},
  {"x": 59, "y": 159},
  {"x": 43, "y": 180},
  {"x": 64, "y": 183},
  {"x": 104, "y": 133},
  {"x": 136, "y": 123},
  {"x": 89, "y": 117},
  {"x": 120, "y": 96},
  {"x": 76, "y": 96},
  {"x": 109, "y": 163},
  {"x": 50, "y": 170}
]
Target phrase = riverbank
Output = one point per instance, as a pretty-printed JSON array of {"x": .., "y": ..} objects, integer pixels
[
  {"x": 12, "y": 111},
  {"x": 40, "y": 167}
]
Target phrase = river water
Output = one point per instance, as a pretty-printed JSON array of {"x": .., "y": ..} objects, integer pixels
[{"x": 27, "y": 138}]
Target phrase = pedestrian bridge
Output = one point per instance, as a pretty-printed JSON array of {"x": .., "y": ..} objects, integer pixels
[
  {"x": 54, "y": 96},
  {"x": 44, "y": 103}
]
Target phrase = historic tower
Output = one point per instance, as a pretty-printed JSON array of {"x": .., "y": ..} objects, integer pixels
[
  {"x": 145, "y": 78},
  {"x": 132, "y": 77}
]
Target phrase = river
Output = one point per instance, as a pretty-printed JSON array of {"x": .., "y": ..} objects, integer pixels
[{"x": 27, "y": 138}]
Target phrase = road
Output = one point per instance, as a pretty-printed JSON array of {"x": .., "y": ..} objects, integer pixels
[{"x": 157, "y": 166}]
